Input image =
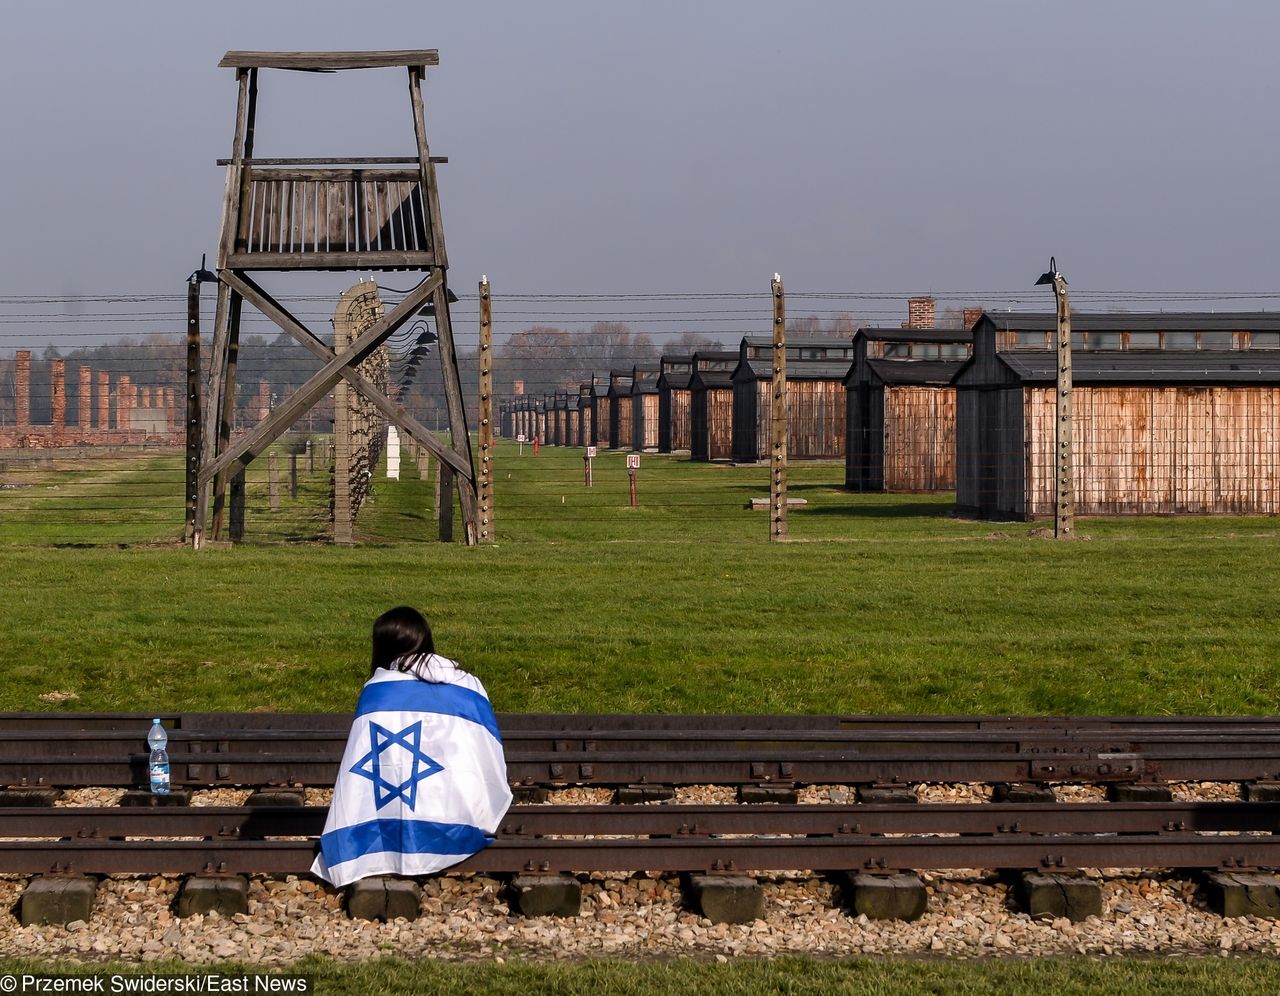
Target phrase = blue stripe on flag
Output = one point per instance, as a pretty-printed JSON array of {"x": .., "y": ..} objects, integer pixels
[
  {"x": 400, "y": 837},
  {"x": 426, "y": 696}
]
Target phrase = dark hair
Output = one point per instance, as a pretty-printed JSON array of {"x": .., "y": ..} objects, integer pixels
[{"x": 398, "y": 632}]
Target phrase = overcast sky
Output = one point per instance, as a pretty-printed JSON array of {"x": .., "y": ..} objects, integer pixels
[{"x": 599, "y": 147}]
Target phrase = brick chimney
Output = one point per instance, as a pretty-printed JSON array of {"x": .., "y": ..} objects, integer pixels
[
  {"x": 58, "y": 393},
  {"x": 22, "y": 388},
  {"x": 518, "y": 387},
  {"x": 921, "y": 313},
  {"x": 262, "y": 406},
  {"x": 104, "y": 400},
  {"x": 124, "y": 402},
  {"x": 971, "y": 316},
  {"x": 84, "y": 407}
]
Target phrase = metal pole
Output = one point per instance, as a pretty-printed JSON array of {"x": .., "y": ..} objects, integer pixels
[
  {"x": 484, "y": 492},
  {"x": 778, "y": 476},
  {"x": 190, "y": 532}
]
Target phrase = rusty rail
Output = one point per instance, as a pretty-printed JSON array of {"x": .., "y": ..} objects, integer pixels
[
  {"x": 675, "y": 838},
  {"x": 209, "y": 749}
]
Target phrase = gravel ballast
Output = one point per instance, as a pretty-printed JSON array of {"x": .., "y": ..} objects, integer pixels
[
  {"x": 468, "y": 918},
  {"x": 970, "y": 914}
]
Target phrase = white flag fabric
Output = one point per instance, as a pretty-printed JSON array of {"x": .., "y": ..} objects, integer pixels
[{"x": 423, "y": 782}]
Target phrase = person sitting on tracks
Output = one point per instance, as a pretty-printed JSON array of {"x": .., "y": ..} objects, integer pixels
[{"x": 423, "y": 782}]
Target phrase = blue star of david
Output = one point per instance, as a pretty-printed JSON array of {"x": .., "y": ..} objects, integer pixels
[{"x": 370, "y": 766}]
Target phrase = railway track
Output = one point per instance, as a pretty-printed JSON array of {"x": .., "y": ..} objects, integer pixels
[
  {"x": 216, "y": 750},
  {"x": 758, "y": 839}
]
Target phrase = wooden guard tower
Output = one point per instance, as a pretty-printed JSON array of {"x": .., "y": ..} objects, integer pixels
[{"x": 365, "y": 214}]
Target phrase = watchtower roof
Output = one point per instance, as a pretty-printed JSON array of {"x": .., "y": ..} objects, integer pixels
[{"x": 330, "y": 62}]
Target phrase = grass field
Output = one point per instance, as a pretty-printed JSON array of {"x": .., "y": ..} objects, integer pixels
[
  {"x": 865, "y": 977},
  {"x": 879, "y": 604}
]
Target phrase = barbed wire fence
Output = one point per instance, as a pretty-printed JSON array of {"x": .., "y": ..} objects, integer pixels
[{"x": 91, "y": 392}]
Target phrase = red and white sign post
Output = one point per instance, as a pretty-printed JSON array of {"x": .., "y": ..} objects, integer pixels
[
  {"x": 633, "y": 464},
  {"x": 587, "y": 457}
]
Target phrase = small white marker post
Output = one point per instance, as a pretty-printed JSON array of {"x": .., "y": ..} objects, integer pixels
[
  {"x": 587, "y": 457},
  {"x": 520, "y": 440},
  {"x": 633, "y": 464}
]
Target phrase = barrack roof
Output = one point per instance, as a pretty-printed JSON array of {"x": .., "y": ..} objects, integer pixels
[
  {"x": 1162, "y": 321},
  {"x": 1149, "y": 366}
]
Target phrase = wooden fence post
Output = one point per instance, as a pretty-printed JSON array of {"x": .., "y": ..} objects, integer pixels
[
  {"x": 1064, "y": 516},
  {"x": 778, "y": 462},
  {"x": 293, "y": 476},
  {"x": 485, "y": 488},
  {"x": 273, "y": 479},
  {"x": 343, "y": 526},
  {"x": 236, "y": 530},
  {"x": 444, "y": 500}
]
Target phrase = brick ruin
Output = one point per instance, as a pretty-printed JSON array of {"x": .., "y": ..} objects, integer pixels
[{"x": 123, "y": 415}]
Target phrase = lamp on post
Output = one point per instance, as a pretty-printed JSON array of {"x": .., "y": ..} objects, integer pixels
[
  {"x": 1064, "y": 506},
  {"x": 199, "y": 276}
]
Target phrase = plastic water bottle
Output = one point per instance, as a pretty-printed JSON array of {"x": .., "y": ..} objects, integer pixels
[{"x": 157, "y": 740}]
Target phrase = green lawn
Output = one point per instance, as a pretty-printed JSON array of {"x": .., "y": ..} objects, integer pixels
[
  {"x": 865, "y": 977},
  {"x": 879, "y": 604}
]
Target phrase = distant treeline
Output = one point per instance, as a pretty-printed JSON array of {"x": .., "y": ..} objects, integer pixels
[{"x": 543, "y": 358}]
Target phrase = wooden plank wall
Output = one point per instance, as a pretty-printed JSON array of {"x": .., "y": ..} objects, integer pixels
[
  {"x": 645, "y": 429},
  {"x": 335, "y": 211},
  {"x": 620, "y": 424},
  {"x": 815, "y": 419},
  {"x": 675, "y": 420},
  {"x": 604, "y": 422},
  {"x": 720, "y": 423},
  {"x": 1161, "y": 450},
  {"x": 919, "y": 438},
  {"x": 864, "y": 437},
  {"x": 681, "y": 426},
  {"x": 711, "y": 424},
  {"x": 991, "y": 460}
]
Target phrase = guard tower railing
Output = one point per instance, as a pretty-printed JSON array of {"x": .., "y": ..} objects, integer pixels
[{"x": 330, "y": 216}]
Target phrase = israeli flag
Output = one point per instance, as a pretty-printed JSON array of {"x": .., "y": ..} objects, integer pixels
[{"x": 423, "y": 782}]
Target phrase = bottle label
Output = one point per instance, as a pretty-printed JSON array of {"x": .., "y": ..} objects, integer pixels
[{"x": 160, "y": 778}]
